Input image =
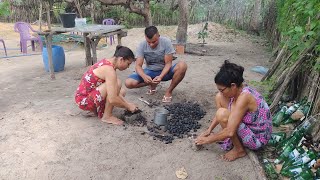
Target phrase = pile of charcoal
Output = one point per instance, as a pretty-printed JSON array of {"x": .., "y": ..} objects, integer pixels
[{"x": 182, "y": 120}]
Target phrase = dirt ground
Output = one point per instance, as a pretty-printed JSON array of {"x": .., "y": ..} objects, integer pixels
[{"x": 45, "y": 136}]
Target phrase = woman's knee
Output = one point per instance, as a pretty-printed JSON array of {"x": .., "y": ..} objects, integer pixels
[{"x": 222, "y": 115}]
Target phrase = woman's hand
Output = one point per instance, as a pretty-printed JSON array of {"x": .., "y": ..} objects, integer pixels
[
  {"x": 132, "y": 107},
  {"x": 202, "y": 140},
  {"x": 205, "y": 133}
]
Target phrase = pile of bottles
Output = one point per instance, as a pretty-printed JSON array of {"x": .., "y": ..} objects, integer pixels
[
  {"x": 298, "y": 155},
  {"x": 287, "y": 112}
]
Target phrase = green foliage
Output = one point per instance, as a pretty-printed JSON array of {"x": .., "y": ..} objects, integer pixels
[
  {"x": 4, "y": 8},
  {"x": 59, "y": 8},
  {"x": 265, "y": 87},
  {"x": 203, "y": 33},
  {"x": 317, "y": 64},
  {"x": 127, "y": 19},
  {"x": 298, "y": 21}
]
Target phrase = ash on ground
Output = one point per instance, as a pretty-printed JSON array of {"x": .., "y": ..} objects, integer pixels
[
  {"x": 182, "y": 122},
  {"x": 135, "y": 119}
]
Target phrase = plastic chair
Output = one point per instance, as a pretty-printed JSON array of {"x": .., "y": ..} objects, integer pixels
[
  {"x": 109, "y": 21},
  {"x": 4, "y": 46},
  {"x": 23, "y": 29}
]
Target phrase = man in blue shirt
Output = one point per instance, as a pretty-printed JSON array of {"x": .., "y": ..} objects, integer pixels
[{"x": 158, "y": 53}]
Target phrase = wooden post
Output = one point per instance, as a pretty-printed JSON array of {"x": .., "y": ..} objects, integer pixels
[
  {"x": 87, "y": 49},
  {"x": 48, "y": 17},
  {"x": 49, "y": 50},
  {"x": 49, "y": 44},
  {"x": 94, "y": 43},
  {"x": 119, "y": 39},
  {"x": 78, "y": 7},
  {"x": 92, "y": 11},
  {"x": 40, "y": 15}
]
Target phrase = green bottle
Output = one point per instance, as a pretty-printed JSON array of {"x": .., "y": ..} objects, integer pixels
[
  {"x": 276, "y": 137},
  {"x": 292, "y": 171},
  {"x": 284, "y": 155},
  {"x": 293, "y": 156},
  {"x": 306, "y": 108},
  {"x": 306, "y": 126},
  {"x": 289, "y": 120},
  {"x": 318, "y": 173},
  {"x": 305, "y": 158},
  {"x": 294, "y": 139},
  {"x": 306, "y": 174},
  {"x": 276, "y": 120},
  {"x": 295, "y": 153},
  {"x": 269, "y": 169},
  {"x": 291, "y": 110}
]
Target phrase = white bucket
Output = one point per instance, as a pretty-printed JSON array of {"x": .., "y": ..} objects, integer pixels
[{"x": 80, "y": 22}]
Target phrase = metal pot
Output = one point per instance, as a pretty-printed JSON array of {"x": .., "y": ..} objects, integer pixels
[{"x": 160, "y": 116}]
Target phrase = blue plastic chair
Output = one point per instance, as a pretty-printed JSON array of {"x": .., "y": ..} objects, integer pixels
[{"x": 109, "y": 21}]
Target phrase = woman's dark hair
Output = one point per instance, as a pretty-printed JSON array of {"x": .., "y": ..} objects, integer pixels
[
  {"x": 150, "y": 31},
  {"x": 122, "y": 51},
  {"x": 229, "y": 73}
]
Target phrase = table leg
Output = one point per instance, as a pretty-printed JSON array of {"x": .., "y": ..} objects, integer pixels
[
  {"x": 94, "y": 44},
  {"x": 49, "y": 50},
  {"x": 87, "y": 48},
  {"x": 119, "y": 36}
]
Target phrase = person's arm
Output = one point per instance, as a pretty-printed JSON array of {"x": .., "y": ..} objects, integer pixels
[
  {"x": 112, "y": 90},
  {"x": 168, "y": 63},
  {"x": 214, "y": 122},
  {"x": 168, "y": 58},
  {"x": 234, "y": 120},
  {"x": 139, "y": 62}
]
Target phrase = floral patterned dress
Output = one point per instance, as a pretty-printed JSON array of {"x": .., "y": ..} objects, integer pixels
[{"x": 87, "y": 96}]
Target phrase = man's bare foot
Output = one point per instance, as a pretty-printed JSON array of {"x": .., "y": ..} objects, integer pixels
[
  {"x": 234, "y": 154},
  {"x": 112, "y": 120}
]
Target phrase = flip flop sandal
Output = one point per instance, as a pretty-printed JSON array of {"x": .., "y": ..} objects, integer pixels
[
  {"x": 151, "y": 91},
  {"x": 166, "y": 99}
]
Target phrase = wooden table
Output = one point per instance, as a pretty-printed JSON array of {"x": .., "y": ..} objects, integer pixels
[{"x": 91, "y": 34}]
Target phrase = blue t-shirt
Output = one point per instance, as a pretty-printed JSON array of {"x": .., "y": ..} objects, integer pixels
[{"x": 155, "y": 57}]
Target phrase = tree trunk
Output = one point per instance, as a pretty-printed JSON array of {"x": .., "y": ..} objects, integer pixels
[
  {"x": 40, "y": 16},
  {"x": 147, "y": 14},
  {"x": 181, "y": 36},
  {"x": 92, "y": 11},
  {"x": 254, "y": 23}
]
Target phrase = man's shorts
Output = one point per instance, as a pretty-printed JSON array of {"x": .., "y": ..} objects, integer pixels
[{"x": 153, "y": 74}]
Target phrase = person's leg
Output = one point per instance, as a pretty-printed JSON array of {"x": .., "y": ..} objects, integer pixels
[
  {"x": 107, "y": 114},
  {"x": 238, "y": 150},
  {"x": 136, "y": 81},
  {"x": 179, "y": 72}
]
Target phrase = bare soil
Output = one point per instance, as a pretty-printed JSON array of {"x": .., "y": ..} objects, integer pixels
[{"x": 45, "y": 136}]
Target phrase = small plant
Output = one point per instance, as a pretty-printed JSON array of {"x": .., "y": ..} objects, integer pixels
[
  {"x": 4, "y": 9},
  {"x": 203, "y": 34}
]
